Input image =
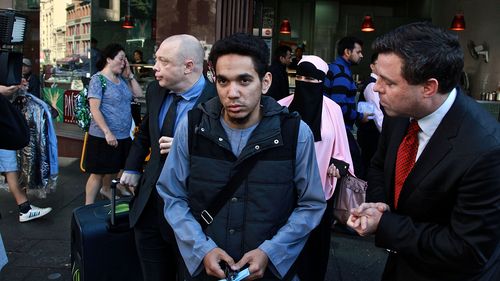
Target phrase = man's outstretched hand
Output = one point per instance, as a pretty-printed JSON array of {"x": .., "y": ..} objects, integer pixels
[{"x": 365, "y": 218}]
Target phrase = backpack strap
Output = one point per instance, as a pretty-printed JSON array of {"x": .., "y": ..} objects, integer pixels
[
  {"x": 290, "y": 124},
  {"x": 194, "y": 119},
  {"x": 103, "y": 82},
  {"x": 208, "y": 214}
]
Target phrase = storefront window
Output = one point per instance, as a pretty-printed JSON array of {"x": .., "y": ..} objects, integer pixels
[{"x": 72, "y": 33}]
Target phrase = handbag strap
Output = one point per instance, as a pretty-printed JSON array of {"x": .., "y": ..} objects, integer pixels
[{"x": 207, "y": 215}]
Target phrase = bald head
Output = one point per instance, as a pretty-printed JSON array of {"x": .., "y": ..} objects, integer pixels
[
  {"x": 179, "y": 62},
  {"x": 188, "y": 48}
]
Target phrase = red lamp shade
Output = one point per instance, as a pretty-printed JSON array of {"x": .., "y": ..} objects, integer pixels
[
  {"x": 285, "y": 27},
  {"x": 367, "y": 25},
  {"x": 458, "y": 22},
  {"x": 128, "y": 22}
]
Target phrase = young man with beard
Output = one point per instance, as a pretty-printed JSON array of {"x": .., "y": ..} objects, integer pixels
[
  {"x": 341, "y": 88},
  {"x": 266, "y": 222},
  {"x": 324, "y": 117}
]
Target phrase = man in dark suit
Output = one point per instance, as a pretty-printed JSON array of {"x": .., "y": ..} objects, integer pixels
[
  {"x": 435, "y": 183},
  {"x": 180, "y": 85}
]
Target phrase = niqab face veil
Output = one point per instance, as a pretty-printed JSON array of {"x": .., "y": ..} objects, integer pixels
[{"x": 308, "y": 97}]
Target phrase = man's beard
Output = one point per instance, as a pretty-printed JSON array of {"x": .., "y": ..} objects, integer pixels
[
  {"x": 355, "y": 62},
  {"x": 239, "y": 120}
]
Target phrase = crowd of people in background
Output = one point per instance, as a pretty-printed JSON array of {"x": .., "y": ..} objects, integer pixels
[{"x": 241, "y": 176}]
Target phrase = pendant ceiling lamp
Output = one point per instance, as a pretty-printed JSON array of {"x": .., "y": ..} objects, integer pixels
[
  {"x": 128, "y": 21},
  {"x": 367, "y": 25},
  {"x": 285, "y": 27},
  {"x": 458, "y": 22}
]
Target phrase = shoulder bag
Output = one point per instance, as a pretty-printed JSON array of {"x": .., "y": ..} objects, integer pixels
[{"x": 350, "y": 193}]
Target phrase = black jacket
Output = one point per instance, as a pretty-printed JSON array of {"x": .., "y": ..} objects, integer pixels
[
  {"x": 279, "y": 86},
  {"x": 148, "y": 136},
  {"x": 15, "y": 132},
  {"x": 447, "y": 225}
]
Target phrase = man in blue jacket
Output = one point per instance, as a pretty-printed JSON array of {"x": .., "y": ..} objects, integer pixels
[{"x": 341, "y": 88}]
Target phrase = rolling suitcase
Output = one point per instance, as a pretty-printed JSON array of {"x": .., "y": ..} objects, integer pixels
[{"x": 102, "y": 242}]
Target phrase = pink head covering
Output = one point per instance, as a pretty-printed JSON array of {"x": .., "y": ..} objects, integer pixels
[{"x": 312, "y": 66}]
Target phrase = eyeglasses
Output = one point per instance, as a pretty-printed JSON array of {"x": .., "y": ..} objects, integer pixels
[{"x": 307, "y": 79}]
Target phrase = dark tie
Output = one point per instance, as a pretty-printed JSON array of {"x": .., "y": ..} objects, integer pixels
[
  {"x": 407, "y": 153},
  {"x": 168, "y": 123}
]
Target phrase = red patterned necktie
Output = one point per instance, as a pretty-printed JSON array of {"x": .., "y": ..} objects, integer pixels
[{"x": 407, "y": 153}]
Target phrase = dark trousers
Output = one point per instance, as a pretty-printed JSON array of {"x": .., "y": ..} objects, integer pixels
[
  {"x": 313, "y": 260},
  {"x": 368, "y": 142},
  {"x": 155, "y": 242},
  {"x": 359, "y": 168}
]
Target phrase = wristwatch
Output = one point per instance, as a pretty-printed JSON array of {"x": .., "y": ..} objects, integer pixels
[{"x": 131, "y": 76}]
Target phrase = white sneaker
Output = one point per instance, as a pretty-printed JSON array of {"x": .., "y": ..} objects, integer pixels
[{"x": 34, "y": 213}]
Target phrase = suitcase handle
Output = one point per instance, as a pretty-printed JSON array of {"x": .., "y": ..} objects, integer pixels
[
  {"x": 115, "y": 224},
  {"x": 114, "y": 183}
]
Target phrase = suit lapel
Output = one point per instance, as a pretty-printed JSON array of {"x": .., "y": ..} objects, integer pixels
[
  {"x": 399, "y": 132},
  {"x": 436, "y": 149},
  {"x": 155, "y": 110}
]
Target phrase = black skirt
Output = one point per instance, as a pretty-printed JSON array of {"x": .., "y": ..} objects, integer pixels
[{"x": 101, "y": 158}]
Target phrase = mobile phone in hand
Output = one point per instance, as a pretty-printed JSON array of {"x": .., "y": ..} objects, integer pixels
[
  {"x": 233, "y": 275},
  {"x": 341, "y": 165}
]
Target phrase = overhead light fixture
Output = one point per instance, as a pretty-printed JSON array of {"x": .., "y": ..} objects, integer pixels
[
  {"x": 285, "y": 27},
  {"x": 367, "y": 25},
  {"x": 458, "y": 22},
  {"x": 128, "y": 20}
]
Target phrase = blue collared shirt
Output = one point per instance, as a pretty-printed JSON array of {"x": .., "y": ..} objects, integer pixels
[
  {"x": 187, "y": 102},
  {"x": 285, "y": 246}
]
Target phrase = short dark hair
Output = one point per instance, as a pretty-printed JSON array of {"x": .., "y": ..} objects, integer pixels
[
  {"x": 281, "y": 51},
  {"x": 347, "y": 42},
  {"x": 244, "y": 45},
  {"x": 426, "y": 52},
  {"x": 109, "y": 52}
]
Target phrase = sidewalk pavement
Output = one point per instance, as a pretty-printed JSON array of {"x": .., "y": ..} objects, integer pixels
[{"x": 40, "y": 249}]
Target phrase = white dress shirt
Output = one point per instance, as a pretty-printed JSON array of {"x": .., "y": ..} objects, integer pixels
[{"x": 429, "y": 123}]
